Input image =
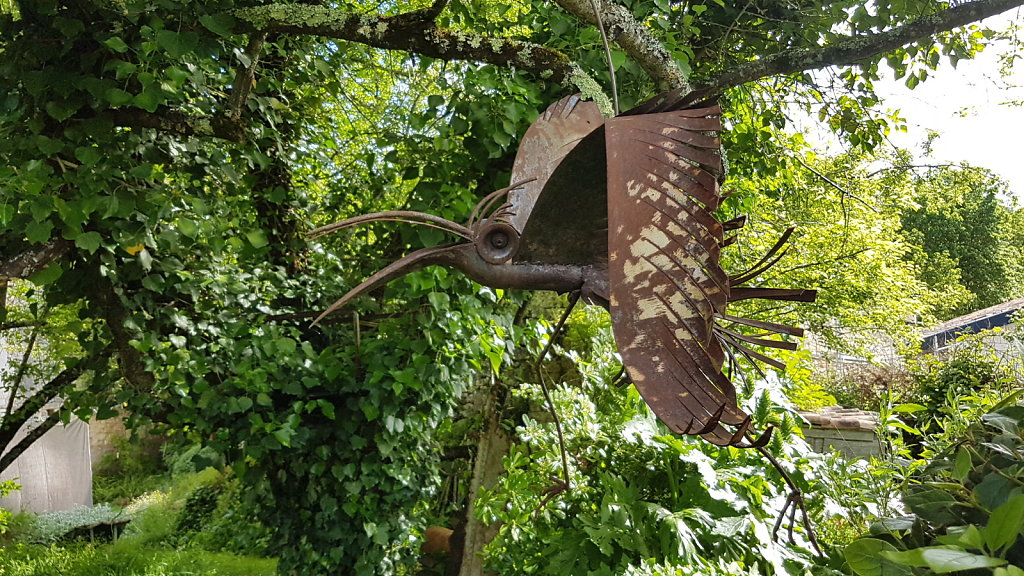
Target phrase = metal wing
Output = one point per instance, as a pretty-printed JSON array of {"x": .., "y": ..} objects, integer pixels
[
  {"x": 666, "y": 283},
  {"x": 560, "y": 207}
]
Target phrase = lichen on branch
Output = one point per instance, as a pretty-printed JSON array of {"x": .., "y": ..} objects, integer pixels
[{"x": 412, "y": 31}]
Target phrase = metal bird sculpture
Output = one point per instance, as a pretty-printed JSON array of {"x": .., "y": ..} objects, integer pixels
[{"x": 620, "y": 212}]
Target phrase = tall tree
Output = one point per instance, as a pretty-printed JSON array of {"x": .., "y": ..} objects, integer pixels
[{"x": 960, "y": 221}]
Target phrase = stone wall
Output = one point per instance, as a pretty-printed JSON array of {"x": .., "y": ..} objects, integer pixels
[{"x": 102, "y": 436}]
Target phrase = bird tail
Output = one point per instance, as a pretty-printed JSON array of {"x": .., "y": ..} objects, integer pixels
[{"x": 735, "y": 342}]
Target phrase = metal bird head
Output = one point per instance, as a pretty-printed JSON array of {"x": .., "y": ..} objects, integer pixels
[{"x": 488, "y": 239}]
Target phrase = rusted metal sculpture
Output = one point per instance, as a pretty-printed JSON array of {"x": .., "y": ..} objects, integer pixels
[{"x": 620, "y": 211}]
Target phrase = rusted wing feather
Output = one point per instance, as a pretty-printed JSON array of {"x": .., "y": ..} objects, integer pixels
[
  {"x": 561, "y": 210},
  {"x": 666, "y": 283}
]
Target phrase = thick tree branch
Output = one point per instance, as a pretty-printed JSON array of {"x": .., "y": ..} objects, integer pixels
[
  {"x": 130, "y": 361},
  {"x": 413, "y": 32},
  {"x": 175, "y": 122},
  {"x": 634, "y": 38},
  {"x": 856, "y": 48},
  {"x": 33, "y": 259}
]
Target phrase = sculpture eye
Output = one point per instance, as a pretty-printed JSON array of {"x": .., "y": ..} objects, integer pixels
[{"x": 497, "y": 242}]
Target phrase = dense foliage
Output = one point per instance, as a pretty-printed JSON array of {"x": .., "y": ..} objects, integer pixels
[
  {"x": 967, "y": 511},
  {"x": 160, "y": 160}
]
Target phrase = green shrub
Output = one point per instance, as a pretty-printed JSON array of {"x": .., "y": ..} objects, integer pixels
[
  {"x": 233, "y": 526},
  {"x": 956, "y": 388},
  {"x": 967, "y": 511},
  {"x": 132, "y": 469},
  {"x": 6, "y": 487}
]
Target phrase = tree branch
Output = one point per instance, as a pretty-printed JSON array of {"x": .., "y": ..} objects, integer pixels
[
  {"x": 13, "y": 422},
  {"x": 412, "y": 32},
  {"x": 175, "y": 122},
  {"x": 857, "y": 48},
  {"x": 245, "y": 78},
  {"x": 33, "y": 259},
  {"x": 634, "y": 38},
  {"x": 11, "y": 455}
]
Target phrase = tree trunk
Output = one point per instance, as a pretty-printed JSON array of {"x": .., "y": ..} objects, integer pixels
[{"x": 474, "y": 535}]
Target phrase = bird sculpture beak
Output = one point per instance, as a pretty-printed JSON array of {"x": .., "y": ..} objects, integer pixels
[
  {"x": 489, "y": 239},
  {"x": 410, "y": 263}
]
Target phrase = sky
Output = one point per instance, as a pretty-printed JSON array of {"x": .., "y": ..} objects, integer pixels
[{"x": 967, "y": 106}]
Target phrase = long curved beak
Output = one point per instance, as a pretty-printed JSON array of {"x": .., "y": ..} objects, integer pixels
[
  {"x": 406, "y": 216},
  {"x": 414, "y": 261},
  {"x": 410, "y": 263}
]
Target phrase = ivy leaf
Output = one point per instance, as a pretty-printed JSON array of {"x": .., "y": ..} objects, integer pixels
[
  {"x": 90, "y": 241},
  {"x": 219, "y": 24},
  {"x": 38, "y": 232},
  {"x": 147, "y": 100},
  {"x": 116, "y": 44},
  {"x": 177, "y": 44},
  {"x": 47, "y": 275},
  {"x": 258, "y": 238},
  {"x": 88, "y": 155},
  {"x": 118, "y": 97},
  {"x": 60, "y": 111}
]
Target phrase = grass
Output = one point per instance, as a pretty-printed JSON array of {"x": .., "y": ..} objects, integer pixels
[
  {"x": 153, "y": 543},
  {"x": 127, "y": 558}
]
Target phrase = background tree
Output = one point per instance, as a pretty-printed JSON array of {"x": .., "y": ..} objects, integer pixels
[{"x": 961, "y": 222}]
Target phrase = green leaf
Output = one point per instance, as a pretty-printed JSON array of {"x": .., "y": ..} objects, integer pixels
[
  {"x": 47, "y": 275},
  {"x": 932, "y": 504},
  {"x": 439, "y": 300},
  {"x": 118, "y": 97},
  {"x": 943, "y": 559},
  {"x": 88, "y": 155},
  {"x": 285, "y": 346},
  {"x": 284, "y": 436},
  {"x": 220, "y": 24},
  {"x": 90, "y": 241},
  {"x": 148, "y": 101},
  {"x": 38, "y": 232},
  {"x": 60, "y": 110},
  {"x": 864, "y": 558},
  {"x": 146, "y": 259},
  {"x": 258, "y": 238},
  {"x": 116, "y": 44},
  {"x": 962, "y": 465},
  {"x": 244, "y": 403},
  {"x": 618, "y": 59},
  {"x": 176, "y": 44},
  {"x": 1005, "y": 524}
]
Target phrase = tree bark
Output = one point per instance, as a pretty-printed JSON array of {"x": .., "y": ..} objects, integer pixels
[
  {"x": 634, "y": 38},
  {"x": 33, "y": 259},
  {"x": 413, "y": 32},
  {"x": 488, "y": 467}
]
